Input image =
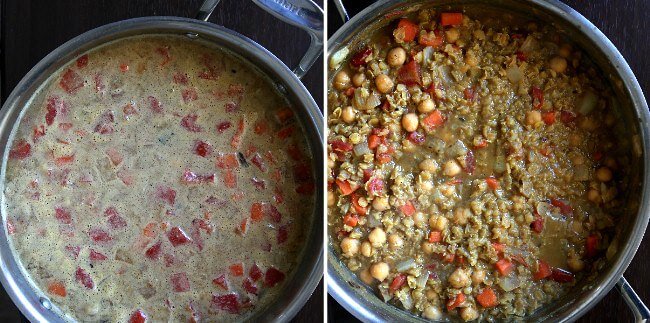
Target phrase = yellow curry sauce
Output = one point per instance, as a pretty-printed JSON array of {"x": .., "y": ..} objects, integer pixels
[
  {"x": 473, "y": 165},
  {"x": 158, "y": 178}
]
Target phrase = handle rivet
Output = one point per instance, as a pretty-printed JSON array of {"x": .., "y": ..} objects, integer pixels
[{"x": 45, "y": 303}]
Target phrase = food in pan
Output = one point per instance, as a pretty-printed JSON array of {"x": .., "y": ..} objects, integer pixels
[
  {"x": 158, "y": 178},
  {"x": 475, "y": 166}
]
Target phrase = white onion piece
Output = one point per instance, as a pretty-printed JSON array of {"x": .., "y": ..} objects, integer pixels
[
  {"x": 445, "y": 73},
  {"x": 372, "y": 101},
  {"x": 337, "y": 58},
  {"x": 544, "y": 209},
  {"x": 500, "y": 164},
  {"x": 509, "y": 283},
  {"x": 372, "y": 221},
  {"x": 427, "y": 55},
  {"x": 421, "y": 281},
  {"x": 587, "y": 102},
  {"x": 407, "y": 301},
  {"x": 362, "y": 149},
  {"x": 529, "y": 44},
  {"x": 405, "y": 265},
  {"x": 514, "y": 74}
]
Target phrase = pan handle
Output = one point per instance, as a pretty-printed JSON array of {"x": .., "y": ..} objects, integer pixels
[
  {"x": 340, "y": 7},
  {"x": 641, "y": 312},
  {"x": 206, "y": 9},
  {"x": 306, "y": 15}
]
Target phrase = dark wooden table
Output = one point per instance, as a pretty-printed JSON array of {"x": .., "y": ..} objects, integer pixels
[
  {"x": 30, "y": 29},
  {"x": 625, "y": 23}
]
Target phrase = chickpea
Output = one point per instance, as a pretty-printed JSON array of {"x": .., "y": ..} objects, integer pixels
[
  {"x": 331, "y": 163},
  {"x": 396, "y": 56},
  {"x": 575, "y": 264},
  {"x": 350, "y": 246},
  {"x": 478, "y": 276},
  {"x": 342, "y": 80},
  {"x": 427, "y": 247},
  {"x": 429, "y": 165},
  {"x": 348, "y": 114},
  {"x": 558, "y": 64},
  {"x": 438, "y": 222},
  {"x": 366, "y": 249},
  {"x": 432, "y": 313},
  {"x": 468, "y": 313},
  {"x": 611, "y": 163},
  {"x": 575, "y": 139},
  {"x": 604, "y": 174},
  {"x": 565, "y": 50},
  {"x": 379, "y": 271},
  {"x": 358, "y": 79},
  {"x": 419, "y": 219},
  {"x": 410, "y": 122},
  {"x": 588, "y": 124},
  {"x": 594, "y": 196},
  {"x": 426, "y": 106},
  {"x": 459, "y": 278},
  {"x": 533, "y": 117},
  {"x": 395, "y": 241},
  {"x": 380, "y": 203},
  {"x": 461, "y": 215},
  {"x": 452, "y": 34},
  {"x": 331, "y": 200},
  {"x": 366, "y": 277},
  {"x": 470, "y": 59},
  {"x": 377, "y": 237},
  {"x": 384, "y": 83},
  {"x": 451, "y": 168},
  {"x": 431, "y": 294}
]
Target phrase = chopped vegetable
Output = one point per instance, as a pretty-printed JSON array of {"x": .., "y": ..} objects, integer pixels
[
  {"x": 487, "y": 298},
  {"x": 451, "y": 18},
  {"x": 408, "y": 208},
  {"x": 561, "y": 276},
  {"x": 455, "y": 302},
  {"x": 57, "y": 288},
  {"x": 504, "y": 267},
  {"x": 543, "y": 270},
  {"x": 406, "y": 31},
  {"x": 591, "y": 245},
  {"x": 409, "y": 74},
  {"x": 435, "y": 236},
  {"x": 397, "y": 283},
  {"x": 492, "y": 182}
]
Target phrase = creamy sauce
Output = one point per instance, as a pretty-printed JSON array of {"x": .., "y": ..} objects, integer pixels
[{"x": 159, "y": 178}]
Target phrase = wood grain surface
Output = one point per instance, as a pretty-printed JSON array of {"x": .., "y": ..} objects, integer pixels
[
  {"x": 626, "y": 24},
  {"x": 30, "y": 29}
]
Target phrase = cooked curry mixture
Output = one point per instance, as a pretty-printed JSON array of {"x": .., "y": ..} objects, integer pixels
[
  {"x": 158, "y": 178},
  {"x": 473, "y": 166}
]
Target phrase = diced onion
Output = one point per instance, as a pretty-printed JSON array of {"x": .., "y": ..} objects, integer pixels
[
  {"x": 337, "y": 58},
  {"x": 407, "y": 301},
  {"x": 427, "y": 55},
  {"x": 362, "y": 149},
  {"x": 544, "y": 209},
  {"x": 421, "y": 281},
  {"x": 529, "y": 44},
  {"x": 587, "y": 102},
  {"x": 514, "y": 74},
  {"x": 445, "y": 73},
  {"x": 372, "y": 101},
  {"x": 405, "y": 265},
  {"x": 509, "y": 283},
  {"x": 500, "y": 164}
]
